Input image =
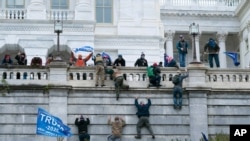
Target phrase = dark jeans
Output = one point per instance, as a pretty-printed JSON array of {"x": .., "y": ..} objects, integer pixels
[
  {"x": 182, "y": 59},
  {"x": 216, "y": 59},
  {"x": 177, "y": 95},
  {"x": 143, "y": 121},
  {"x": 155, "y": 80},
  {"x": 84, "y": 137},
  {"x": 119, "y": 85},
  {"x": 113, "y": 138}
]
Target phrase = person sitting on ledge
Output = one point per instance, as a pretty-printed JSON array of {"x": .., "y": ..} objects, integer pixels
[
  {"x": 21, "y": 58},
  {"x": 7, "y": 60},
  {"x": 36, "y": 62}
]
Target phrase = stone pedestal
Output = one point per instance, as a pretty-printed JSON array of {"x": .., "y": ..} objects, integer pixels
[
  {"x": 58, "y": 73},
  {"x": 197, "y": 89}
]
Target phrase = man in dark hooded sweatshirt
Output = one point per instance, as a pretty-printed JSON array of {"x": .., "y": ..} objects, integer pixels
[
  {"x": 143, "y": 115},
  {"x": 82, "y": 125}
]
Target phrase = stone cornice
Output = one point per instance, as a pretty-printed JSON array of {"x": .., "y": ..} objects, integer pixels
[
  {"x": 44, "y": 26},
  {"x": 197, "y": 13}
]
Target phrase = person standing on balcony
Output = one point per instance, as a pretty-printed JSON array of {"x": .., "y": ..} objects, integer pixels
[
  {"x": 81, "y": 62},
  {"x": 143, "y": 115},
  {"x": 117, "y": 127},
  {"x": 178, "y": 90},
  {"x": 82, "y": 125},
  {"x": 213, "y": 52},
  {"x": 99, "y": 69},
  {"x": 141, "y": 62},
  {"x": 7, "y": 60},
  {"x": 21, "y": 58},
  {"x": 182, "y": 47},
  {"x": 119, "y": 61}
]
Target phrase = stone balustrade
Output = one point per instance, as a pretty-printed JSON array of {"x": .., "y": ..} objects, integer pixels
[
  {"x": 134, "y": 76},
  {"x": 60, "y": 14},
  {"x": 17, "y": 14},
  {"x": 200, "y": 3}
]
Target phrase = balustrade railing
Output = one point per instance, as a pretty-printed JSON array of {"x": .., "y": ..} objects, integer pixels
[
  {"x": 200, "y": 3},
  {"x": 60, "y": 15},
  {"x": 134, "y": 76},
  {"x": 16, "y": 14}
]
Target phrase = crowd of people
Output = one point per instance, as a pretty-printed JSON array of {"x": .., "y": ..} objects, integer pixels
[{"x": 211, "y": 48}]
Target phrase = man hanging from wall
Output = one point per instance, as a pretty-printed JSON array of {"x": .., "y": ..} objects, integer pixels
[
  {"x": 143, "y": 115},
  {"x": 117, "y": 126},
  {"x": 82, "y": 125},
  {"x": 178, "y": 90}
]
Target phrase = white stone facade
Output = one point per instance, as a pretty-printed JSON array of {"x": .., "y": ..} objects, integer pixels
[{"x": 152, "y": 27}]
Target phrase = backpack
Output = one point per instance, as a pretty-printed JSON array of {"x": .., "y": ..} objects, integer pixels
[
  {"x": 176, "y": 79},
  {"x": 211, "y": 43},
  {"x": 150, "y": 71}
]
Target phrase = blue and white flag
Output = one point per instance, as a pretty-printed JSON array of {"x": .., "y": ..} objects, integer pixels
[
  {"x": 234, "y": 56},
  {"x": 83, "y": 49},
  {"x": 50, "y": 125}
]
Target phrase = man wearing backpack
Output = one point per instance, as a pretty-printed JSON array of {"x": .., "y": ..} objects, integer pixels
[
  {"x": 213, "y": 52},
  {"x": 178, "y": 90},
  {"x": 182, "y": 47},
  {"x": 154, "y": 76}
]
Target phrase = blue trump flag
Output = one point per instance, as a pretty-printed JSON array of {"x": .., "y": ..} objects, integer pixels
[
  {"x": 234, "y": 56},
  {"x": 50, "y": 125}
]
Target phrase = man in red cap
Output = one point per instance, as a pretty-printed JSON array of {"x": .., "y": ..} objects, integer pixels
[{"x": 154, "y": 74}]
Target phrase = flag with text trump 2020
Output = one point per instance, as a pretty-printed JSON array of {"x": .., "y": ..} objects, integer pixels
[{"x": 50, "y": 125}]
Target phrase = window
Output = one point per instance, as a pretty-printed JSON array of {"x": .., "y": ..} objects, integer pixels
[
  {"x": 104, "y": 12},
  {"x": 15, "y": 3},
  {"x": 59, "y": 4}
]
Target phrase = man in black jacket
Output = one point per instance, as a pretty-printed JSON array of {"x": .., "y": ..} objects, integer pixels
[
  {"x": 143, "y": 115},
  {"x": 141, "y": 62},
  {"x": 82, "y": 125}
]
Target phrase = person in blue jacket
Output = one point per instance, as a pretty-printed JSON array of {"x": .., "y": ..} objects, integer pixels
[{"x": 143, "y": 115}]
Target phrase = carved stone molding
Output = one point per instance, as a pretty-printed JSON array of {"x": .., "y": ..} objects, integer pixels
[
  {"x": 49, "y": 28},
  {"x": 222, "y": 36},
  {"x": 169, "y": 35}
]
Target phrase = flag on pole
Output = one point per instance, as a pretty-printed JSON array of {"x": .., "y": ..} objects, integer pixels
[
  {"x": 50, "y": 125},
  {"x": 234, "y": 56},
  {"x": 204, "y": 136}
]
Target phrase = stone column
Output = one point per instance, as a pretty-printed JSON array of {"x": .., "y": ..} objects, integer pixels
[
  {"x": 36, "y": 10},
  {"x": 197, "y": 89},
  {"x": 221, "y": 36},
  {"x": 169, "y": 36},
  {"x": 243, "y": 62}
]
